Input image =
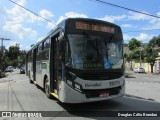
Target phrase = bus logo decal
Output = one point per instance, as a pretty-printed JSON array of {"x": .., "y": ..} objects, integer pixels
[{"x": 93, "y": 85}]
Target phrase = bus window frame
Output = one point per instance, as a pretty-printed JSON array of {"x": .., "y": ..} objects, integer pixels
[
  {"x": 45, "y": 42},
  {"x": 40, "y": 47}
]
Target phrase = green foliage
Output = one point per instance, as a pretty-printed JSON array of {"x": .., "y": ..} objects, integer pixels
[
  {"x": 128, "y": 57},
  {"x": 13, "y": 57},
  {"x": 147, "y": 54},
  {"x": 1, "y": 60},
  {"x": 134, "y": 47},
  {"x": 2, "y": 74},
  {"x": 133, "y": 44},
  {"x": 155, "y": 41},
  {"x": 150, "y": 55},
  {"x": 135, "y": 53},
  {"x": 21, "y": 58}
]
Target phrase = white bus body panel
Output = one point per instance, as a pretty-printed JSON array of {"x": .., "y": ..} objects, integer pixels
[
  {"x": 29, "y": 70},
  {"x": 44, "y": 71},
  {"x": 39, "y": 80},
  {"x": 69, "y": 95}
]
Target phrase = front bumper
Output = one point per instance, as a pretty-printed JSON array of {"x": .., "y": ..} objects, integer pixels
[{"x": 69, "y": 95}]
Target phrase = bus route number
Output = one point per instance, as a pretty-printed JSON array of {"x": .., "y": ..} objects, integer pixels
[{"x": 114, "y": 83}]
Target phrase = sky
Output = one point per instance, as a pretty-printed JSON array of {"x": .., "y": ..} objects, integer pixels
[{"x": 24, "y": 28}]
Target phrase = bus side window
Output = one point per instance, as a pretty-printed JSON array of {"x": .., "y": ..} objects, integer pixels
[
  {"x": 37, "y": 50},
  {"x": 40, "y": 48},
  {"x": 45, "y": 54},
  {"x": 46, "y": 44}
]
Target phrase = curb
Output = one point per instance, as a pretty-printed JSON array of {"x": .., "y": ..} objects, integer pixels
[
  {"x": 150, "y": 99},
  {"x": 4, "y": 81}
]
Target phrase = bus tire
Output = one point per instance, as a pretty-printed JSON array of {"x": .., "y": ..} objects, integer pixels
[
  {"x": 47, "y": 88},
  {"x": 30, "y": 78},
  {"x": 31, "y": 81}
]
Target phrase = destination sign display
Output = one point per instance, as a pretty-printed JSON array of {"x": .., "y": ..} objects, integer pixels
[{"x": 94, "y": 27}]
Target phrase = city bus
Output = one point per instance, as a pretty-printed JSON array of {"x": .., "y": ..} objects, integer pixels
[{"x": 80, "y": 60}]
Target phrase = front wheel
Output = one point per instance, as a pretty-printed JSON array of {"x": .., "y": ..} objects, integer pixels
[
  {"x": 47, "y": 88},
  {"x": 29, "y": 78},
  {"x": 31, "y": 81}
]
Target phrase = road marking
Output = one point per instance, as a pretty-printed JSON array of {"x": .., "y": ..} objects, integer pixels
[
  {"x": 21, "y": 80},
  {"x": 151, "y": 82},
  {"x": 140, "y": 98},
  {"x": 5, "y": 81}
]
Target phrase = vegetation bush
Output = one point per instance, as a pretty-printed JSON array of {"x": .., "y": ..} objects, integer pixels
[{"x": 2, "y": 74}]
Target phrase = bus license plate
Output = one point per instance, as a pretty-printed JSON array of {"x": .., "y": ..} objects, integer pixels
[{"x": 103, "y": 94}]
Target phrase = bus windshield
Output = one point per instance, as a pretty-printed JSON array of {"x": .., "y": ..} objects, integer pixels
[{"x": 94, "y": 52}]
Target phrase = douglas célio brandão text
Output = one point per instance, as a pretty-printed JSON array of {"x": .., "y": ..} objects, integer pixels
[{"x": 137, "y": 114}]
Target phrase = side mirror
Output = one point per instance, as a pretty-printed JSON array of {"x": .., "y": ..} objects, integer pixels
[{"x": 61, "y": 36}]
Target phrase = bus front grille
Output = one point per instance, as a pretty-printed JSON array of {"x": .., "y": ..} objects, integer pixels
[
  {"x": 96, "y": 93},
  {"x": 97, "y": 74},
  {"x": 101, "y": 76}
]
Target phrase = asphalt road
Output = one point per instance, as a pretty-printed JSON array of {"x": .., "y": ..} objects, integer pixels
[
  {"x": 143, "y": 77},
  {"x": 143, "y": 85},
  {"x": 17, "y": 94}
]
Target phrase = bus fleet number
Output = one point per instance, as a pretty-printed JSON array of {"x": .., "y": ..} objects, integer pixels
[{"x": 114, "y": 83}]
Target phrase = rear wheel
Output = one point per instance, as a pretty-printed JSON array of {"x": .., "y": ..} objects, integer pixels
[{"x": 47, "y": 88}]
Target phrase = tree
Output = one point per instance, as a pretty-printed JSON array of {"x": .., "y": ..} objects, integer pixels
[
  {"x": 150, "y": 52},
  {"x": 12, "y": 57},
  {"x": 154, "y": 42},
  {"x": 134, "y": 51},
  {"x": 150, "y": 56},
  {"x": 1, "y": 60},
  {"x": 21, "y": 58},
  {"x": 13, "y": 53},
  {"x": 133, "y": 44}
]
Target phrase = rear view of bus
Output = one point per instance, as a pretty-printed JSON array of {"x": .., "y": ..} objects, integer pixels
[{"x": 93, "y": 67}]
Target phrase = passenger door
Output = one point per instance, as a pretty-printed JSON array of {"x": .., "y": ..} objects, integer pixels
[
  {"x": 55, "y": 65},
  {"x": 38, "y": 65}
]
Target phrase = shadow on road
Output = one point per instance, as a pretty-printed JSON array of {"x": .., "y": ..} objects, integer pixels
[
  {"x": 130, "y": 75},
  {"x": 91, "y": 110},
  {"x": 92, "y": 106},
  {"x": 106, "y": 108}
]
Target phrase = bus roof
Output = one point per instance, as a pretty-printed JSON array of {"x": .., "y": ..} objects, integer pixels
[
  {"x": 93, "y": 20},
  {"x": 62, "y": 25}
]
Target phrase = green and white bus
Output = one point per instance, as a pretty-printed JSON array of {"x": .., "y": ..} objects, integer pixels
[{"x": 81, "y": 60}]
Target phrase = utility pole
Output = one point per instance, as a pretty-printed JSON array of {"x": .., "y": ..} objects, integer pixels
[
  {"x": 140, "y": 56},
  {"x": 2, "y": 43},
  {"x": 1, "y": 59}
]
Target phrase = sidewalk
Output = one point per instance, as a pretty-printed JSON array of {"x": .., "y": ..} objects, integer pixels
[
  {"x": 5, "y": 79},
  {"x": 144, "y": 86}
]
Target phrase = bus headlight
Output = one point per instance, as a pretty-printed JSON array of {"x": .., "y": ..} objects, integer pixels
[
  {"x": 77, "y": 87},
  {"x": 69, "y": 83}
]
